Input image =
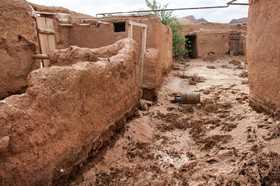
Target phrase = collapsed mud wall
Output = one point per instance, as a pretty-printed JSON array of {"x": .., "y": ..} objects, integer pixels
[
  {"x": 263, "y": 55},
  {"x": 216, "y": 39},
  {"x": 66, "y": 114},
  {"x": 17, "y": 44}
]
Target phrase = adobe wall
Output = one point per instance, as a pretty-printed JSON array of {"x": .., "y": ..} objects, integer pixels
[
  {"x": 158, "y": 59},
  {"x": 17, "y": 44},
  {"x": 159, "y": 41},
  {"x": 67, "y": 114},
  {"x": 213, "y": 39},
  {"x": 263, "y": 55}
]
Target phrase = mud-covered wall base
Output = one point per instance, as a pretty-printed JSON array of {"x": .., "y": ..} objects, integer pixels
[
  {"x": 262, "y": 106},
  {"x": 150, "y": 93},
  {"x": 98, "y": 148}
]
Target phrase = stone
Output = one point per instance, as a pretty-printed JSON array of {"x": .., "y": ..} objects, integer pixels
[{"x": 4, "y": 142}]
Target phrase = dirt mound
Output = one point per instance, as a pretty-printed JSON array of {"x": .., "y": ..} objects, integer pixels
[{"x": 17, "y": 44}]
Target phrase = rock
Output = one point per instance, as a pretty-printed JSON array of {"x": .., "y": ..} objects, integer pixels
[
  {"x": 195, "y": 77},
  {"x": 4, "y": 142},
  {"x": 206, "y": 92},
  {"x": 245, "y": 82},
  {"x": 175, "y": 67},
  {"x": 211, "y": 67},
  {"x": 235, "y": 62},
  {"x": 243, "y": 74},
  {"x": 192, "y": 82}
]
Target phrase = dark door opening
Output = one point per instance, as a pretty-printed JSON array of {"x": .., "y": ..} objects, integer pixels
[{"x": 191, "y": 46}]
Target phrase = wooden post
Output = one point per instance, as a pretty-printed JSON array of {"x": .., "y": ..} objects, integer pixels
[
  {"x": 130, "y": 31},
  {"x": 144, "y": 39}
]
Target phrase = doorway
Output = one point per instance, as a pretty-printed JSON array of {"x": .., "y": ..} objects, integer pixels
[{"x": 191, "y": 45}]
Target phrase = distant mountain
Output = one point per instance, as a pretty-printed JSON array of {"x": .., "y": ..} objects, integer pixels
[
  {"x": 202, "y": 20},
  {"x": 194, "y": 20},
  {"x": 191, "y": 18},
  {"x": 185, "y": 21},
  {"x": 241, "y": 20}
]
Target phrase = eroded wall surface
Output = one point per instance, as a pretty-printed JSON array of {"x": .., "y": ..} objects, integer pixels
[
  {"x": 17, "y": 44},
  {"x": 263, "y": 55},
  {"x": 158, "y": 59},
  {"x": 214, "y": 39},
  {"x": 67, "y": 114}
]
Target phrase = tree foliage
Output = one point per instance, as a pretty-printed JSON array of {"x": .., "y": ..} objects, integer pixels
[{"x": 168, "y": 19}]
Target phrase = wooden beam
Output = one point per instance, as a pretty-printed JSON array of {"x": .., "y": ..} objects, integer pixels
[
  {"x": 65, "y": 25},
  {"x": 50, "y": 32},
  {"x": 84, "y": 24},
  {"x": 45, "y": 13},
  {"x": 137, "y": 24},
  {"x": 40, "y": 56}
]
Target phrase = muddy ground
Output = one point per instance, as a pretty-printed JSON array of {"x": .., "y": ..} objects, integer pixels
[{"x": 220, "y": 140}]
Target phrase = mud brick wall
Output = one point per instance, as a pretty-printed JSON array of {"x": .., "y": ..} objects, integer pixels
[
  {"x": 67, "y": 114},
  {"x": 263, "y": 55},
  {"x": 213, "y": 39}
]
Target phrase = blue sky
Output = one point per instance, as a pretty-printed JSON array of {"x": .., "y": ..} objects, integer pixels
[{"x": 92, "y": 7}]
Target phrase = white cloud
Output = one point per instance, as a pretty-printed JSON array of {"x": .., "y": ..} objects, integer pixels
[{"x": 92, "y": 7}]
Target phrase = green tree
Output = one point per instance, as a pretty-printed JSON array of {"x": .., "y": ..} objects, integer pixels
[{"x": 170, "y": 20}]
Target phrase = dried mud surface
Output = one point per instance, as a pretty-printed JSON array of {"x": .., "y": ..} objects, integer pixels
[
  {"x": 218, "y": 141},
  {"x": 18, "y": 41}
]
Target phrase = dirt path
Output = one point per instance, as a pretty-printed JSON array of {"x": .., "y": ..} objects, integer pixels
[{"x": 218, "y": 141}]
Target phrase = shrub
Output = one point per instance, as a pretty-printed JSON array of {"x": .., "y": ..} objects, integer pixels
[{"x": 166, "y": 18}]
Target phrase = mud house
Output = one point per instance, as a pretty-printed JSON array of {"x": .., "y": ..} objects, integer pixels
[
  {"x": 214, "y": 39},
  {"x": 263, "y": 55},
  {"x": 53, "y": 118}
]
